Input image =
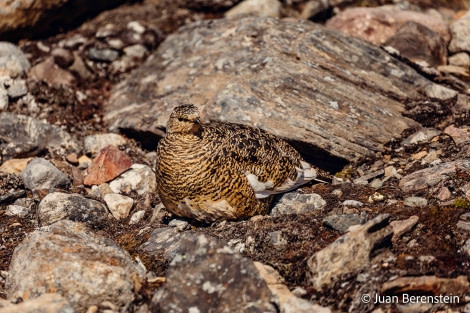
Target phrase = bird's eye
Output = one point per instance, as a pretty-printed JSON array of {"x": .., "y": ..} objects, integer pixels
[{"x": 180, "y": 119}]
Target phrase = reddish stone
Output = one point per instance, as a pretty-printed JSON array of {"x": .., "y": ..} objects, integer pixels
[{"x": 108, "y": 164}]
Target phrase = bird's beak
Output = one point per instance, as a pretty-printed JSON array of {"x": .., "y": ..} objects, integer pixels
[{"x": 197, "y": 121}]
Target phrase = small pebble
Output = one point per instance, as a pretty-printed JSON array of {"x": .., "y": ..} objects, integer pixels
[
  {"x": 103, "y": 55},
  {"x": 415, "y": 202},
  {"x": 353, "y": 203}
]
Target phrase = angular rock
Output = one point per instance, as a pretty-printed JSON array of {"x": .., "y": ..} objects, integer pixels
[
  {"x": 461, "y": 59},
  {"x": 380, "y": 23},
  {"x": 16, "y": 88},
  {"x": 428, "y": 285},
  {"x": 51, "y": 73},
  {"x": 288, "y": 302},
  {"x": 428, "y": 48},
  {"x": 258, "y": 7},
  {"x": 140, "y": 178},
  {"x": 349, "y": 253},
  {"x": 119, "y": 205},
  {"x": 108, "y": 164},
  {"x": 415, "y": 202},
  {"x": 423, "y": 135},
  {"x": 460, "y": 31},
  {"x": 163, "y": 241},
  {"x": 444, "y": 194},
  {"x": 342, "y": 222},
  {"x": 268, "y": 83},
  {"x": 427, "y": 177},
  {"x": 42, "y": 174},
  {"x": 459, "y": 135},
  {"x": 210, "y": 278},
  {"x": 296, "y": 203},
  {"x": 25, "y": 136},
  {"x": 14, "y": 166},
  {"x": 93, "y": 144},
  {"x": 103, "y": 55},
  {"x": 46, "y": 303},
  {"x": 57, "y": 206},
  {"x": 401, "y": 227},
  {"x": 13, "y": 62},
  {"x": 68, "y": 259},
  {"x": 137, "y": 217}
]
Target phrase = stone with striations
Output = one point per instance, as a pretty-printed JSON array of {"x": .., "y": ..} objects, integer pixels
[
  {"x": 431, "y": 176},
  {"x": 260, "y": 83},
  {"x": 66, "y": 258}
]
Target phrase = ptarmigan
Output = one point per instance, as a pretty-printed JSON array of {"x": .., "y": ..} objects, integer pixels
[{"x": 223, "y": 171}]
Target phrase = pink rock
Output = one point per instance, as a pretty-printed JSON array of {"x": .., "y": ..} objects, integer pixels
[
  {"x": 108, "y": 164},
  {"x": 378, "y": 24}
]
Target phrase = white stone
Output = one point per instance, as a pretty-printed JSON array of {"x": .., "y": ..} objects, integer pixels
[
  {"x": 259, "y": 7},
  {"x": 17, "y": 210},
  {"x": 353, "y": 203},
  {"x": 137, "y": 217},
  {"x": 119, "y": 205},
  {"x": 139, "y": 178}
]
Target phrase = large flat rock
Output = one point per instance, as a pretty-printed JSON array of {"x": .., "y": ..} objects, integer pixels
[{"x": 319, "y": 89}]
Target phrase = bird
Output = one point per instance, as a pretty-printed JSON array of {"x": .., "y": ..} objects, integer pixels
[{"x": 223, "y": 171}]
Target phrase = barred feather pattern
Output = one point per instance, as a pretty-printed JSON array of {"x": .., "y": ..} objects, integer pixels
[{"x": 217, "y": 171}]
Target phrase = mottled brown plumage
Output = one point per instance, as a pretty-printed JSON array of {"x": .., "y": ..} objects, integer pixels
[{"x": 219, "y": 171}]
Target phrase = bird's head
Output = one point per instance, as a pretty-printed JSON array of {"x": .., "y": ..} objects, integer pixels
[{"x": 184, "y": 119}]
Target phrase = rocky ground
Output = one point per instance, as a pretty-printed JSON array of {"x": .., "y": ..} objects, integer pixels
[{"x": 82, "y": 110}]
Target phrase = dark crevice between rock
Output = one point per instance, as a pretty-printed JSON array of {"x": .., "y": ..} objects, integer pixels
[
  {"x": 318, "y": 157},
  {"x": 148, "y": 140},
  {"x": 66, "y": 17}
]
